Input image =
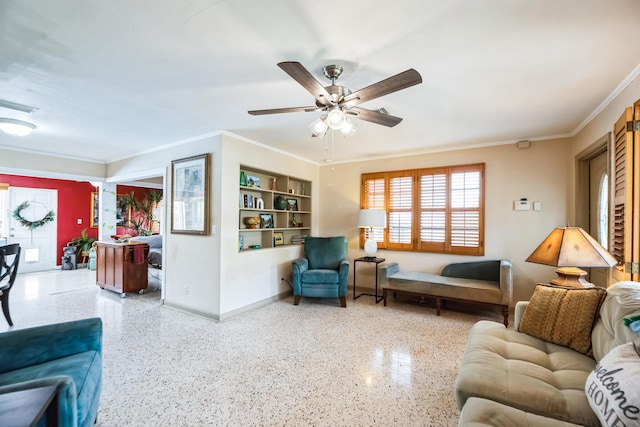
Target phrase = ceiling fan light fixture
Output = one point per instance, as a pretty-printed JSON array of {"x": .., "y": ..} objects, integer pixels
[
  {"x": 16, "y": 127},
  {"x": 335, "y": 118},
  {"x": 348, "y": 128},
  {"x": 319, "y": 127}
]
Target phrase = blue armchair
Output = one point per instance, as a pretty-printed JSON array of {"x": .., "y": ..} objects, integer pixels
[
  {"x": 324, "y": 271},
  {"x": 66, "y": 355}
]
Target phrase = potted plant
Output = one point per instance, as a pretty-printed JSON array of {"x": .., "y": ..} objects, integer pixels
[
  {"x": 142, "y": 219},
  {"x": 82, "y": 243}
]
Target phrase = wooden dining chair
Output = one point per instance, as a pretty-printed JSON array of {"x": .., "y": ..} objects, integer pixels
[{"x": 9, "y": 260}]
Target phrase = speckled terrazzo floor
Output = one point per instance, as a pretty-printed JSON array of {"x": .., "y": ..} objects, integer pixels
[{"x": 280, "y": 365}]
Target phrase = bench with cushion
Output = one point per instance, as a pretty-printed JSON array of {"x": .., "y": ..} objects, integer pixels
[{"x": 480, "y": 282}]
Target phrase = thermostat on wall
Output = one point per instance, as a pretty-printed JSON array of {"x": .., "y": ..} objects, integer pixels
[{"x": 522, "y": 205}]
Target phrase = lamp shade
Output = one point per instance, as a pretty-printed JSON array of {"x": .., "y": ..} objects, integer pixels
[
  {"x": 571, "y": 247},
  {"x": 372, "y": 218}
]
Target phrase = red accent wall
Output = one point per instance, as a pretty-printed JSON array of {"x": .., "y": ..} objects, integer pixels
[{"x": 74, "y": 202}]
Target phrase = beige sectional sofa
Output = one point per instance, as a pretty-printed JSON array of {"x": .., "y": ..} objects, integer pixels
[{"x": 508, "y": 377}]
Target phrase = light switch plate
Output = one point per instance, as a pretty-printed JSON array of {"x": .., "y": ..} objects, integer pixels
[{"x": 522, "y": 205}]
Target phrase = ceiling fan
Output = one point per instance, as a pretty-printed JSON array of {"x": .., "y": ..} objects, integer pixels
[{"x": 339, "y": 102}]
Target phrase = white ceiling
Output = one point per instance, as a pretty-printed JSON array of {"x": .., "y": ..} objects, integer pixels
[{"x": 115, "y": 78}]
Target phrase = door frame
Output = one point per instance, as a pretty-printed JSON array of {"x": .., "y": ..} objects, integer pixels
[
  {"x": 582, "y": 159},
  {"x": 157, "y": 172}
]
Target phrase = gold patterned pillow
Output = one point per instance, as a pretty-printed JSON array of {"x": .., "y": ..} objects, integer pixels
[{"x": 563, "y": 315}]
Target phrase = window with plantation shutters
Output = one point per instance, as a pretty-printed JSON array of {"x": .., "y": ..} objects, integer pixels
[
  {"x": 431, "y": 210},
  {"x": 399, "y": 210}
]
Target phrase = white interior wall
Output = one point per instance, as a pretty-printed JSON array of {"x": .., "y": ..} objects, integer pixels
[
  {"x": 221, "y": 281},
  {"x": 30, "y": 164},
  {"x": 253, "y": 277},
  {"x": 539, "y": 173},
  {"x": 192, "y": 268}
]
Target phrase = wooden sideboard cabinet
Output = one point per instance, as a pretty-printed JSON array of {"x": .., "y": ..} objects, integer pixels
[{"x": 117, "y": 269}]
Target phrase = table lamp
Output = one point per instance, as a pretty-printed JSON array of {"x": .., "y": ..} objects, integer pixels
[
  {"x": 370, "y": 219},
  {"x": 571, "y": 248}
]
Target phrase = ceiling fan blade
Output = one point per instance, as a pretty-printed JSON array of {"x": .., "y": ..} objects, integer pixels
[
  {"x": 284, "y": 110},
  {"x": 384, "y": 87},
  {"x": 310, "y": 83},
  {"x": 374, "y": 116}
]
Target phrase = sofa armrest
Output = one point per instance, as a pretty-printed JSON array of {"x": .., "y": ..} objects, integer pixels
[
  {"x": 27, "y": 347},
  {"x": 506, "y": 281},
  {"x": 298, "y": 267},
  {"x": 387, "y": 270},
  {"x": 519, "y": 312}
]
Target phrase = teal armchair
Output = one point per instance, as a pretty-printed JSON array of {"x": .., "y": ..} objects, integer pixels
[
  {"x": 324, "y": 271},
  {"x": 66, "y": 355}
]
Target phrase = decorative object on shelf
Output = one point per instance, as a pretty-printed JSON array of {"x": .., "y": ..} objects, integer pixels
[
  {"x": 190, "y": 195},
  {"x": 302, "y": 189},
  {"x": 253, "y": 181},
  {"x": 243, "y": 179},
  {"x": 293, "y": 221},
  {"x": 292, "y": 204},
  {"x": 570, "y": 248},
  {"x": 274, "y": 184},
  {"x": 280, "y": 203},
  {"x": 255, "y": 246},
  {"x": 241, "y": 242},
  {"x": 370, "y": 219},
  {"x": 266, "y": 221},
  {"x": 252, "y": 222},
  {"x": 31, "y": 225},
  {"x": 259, "y": 204},
  {"x": 278, "y": 238}
]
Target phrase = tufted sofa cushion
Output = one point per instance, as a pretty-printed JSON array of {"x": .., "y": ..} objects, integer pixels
[
  {"x": 479, "y": 412},
  {"x": 526, "y": 373}
]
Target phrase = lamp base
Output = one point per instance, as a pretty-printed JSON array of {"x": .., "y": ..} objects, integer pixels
[
  {"x": 370, "y": 248},
  {"x": 572, "y": 276}
]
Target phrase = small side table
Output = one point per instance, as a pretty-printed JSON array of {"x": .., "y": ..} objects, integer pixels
[
  {"x": 376, "y": 261},
  {"x": 26, "y": 407}
]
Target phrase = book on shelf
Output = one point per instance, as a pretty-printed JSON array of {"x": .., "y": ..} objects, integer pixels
[
  {"x": 247, "y": 201},
  {"x": 298, "y": 239}
]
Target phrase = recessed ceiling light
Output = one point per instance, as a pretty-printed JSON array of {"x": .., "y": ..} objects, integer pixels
[{"x": 16, "y": 127}]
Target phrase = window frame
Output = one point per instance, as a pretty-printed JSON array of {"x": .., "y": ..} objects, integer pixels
[{"x": 416, "y": 244}]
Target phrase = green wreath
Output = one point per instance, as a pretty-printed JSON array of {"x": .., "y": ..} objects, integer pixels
[{"x": 31, "y": 224}]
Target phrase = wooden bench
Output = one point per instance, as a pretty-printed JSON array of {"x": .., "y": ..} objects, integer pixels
[{"x": 483, "y": 282}]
